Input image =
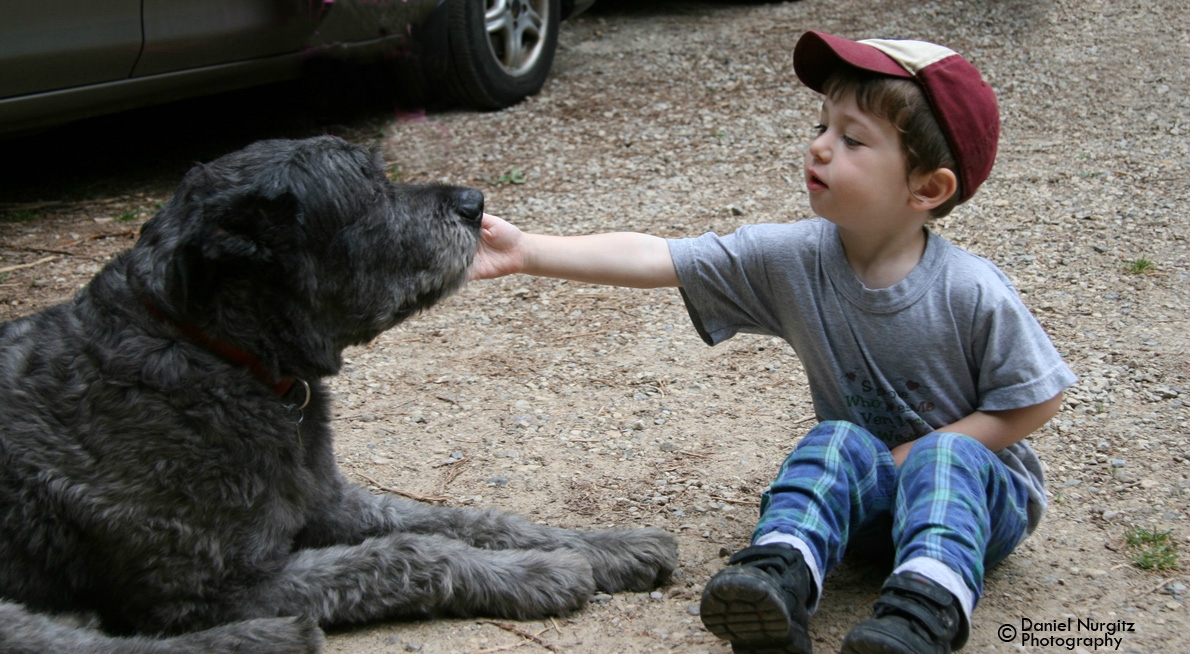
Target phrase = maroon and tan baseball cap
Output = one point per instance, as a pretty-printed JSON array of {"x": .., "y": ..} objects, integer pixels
[{"x": 963, "y": 103}]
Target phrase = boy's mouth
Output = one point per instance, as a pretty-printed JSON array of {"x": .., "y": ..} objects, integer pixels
[{"x": 814, "y": 183}]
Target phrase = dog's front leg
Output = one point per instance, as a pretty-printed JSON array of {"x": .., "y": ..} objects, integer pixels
[
  {"x": 413, "y": 575},
  {"x": 623, "y": 559}
]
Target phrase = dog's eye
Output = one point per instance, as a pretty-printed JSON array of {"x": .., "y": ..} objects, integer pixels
[{"x": 377, "y": 198}]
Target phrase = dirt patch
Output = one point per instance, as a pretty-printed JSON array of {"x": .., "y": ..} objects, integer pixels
[{"x": 582, "y": 406}]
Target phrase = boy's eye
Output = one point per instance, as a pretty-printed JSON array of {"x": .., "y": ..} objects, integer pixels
[
  {"x": 819, "y": 129},
  {"x": 851, "y": 142}
]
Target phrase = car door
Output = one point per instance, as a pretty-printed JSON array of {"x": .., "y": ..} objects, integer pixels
[
  {"x": 183, "y": 34},
  {"x": 53, "y": 45}
]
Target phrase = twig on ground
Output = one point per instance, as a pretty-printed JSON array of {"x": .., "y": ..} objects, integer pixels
[
  {"x": 730, "y": 501},
  {"x": 126, "y": 232},
  {"x": 1153, "y": 589},
  {"x": 397, "y": 491},
  {"x": 27, "y": 265},
  {"x": 568, "y": 336},
  {"x": 452, "y": 474},
  {"x": 502, "y": 648},
  {"x": 48, "y": 250},
  {"x": 523, "y": 634},
  {"x": 357, "y": 416}
]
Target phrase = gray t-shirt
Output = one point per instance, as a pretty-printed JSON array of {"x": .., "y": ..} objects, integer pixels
[{"x": 951, "y": 338}]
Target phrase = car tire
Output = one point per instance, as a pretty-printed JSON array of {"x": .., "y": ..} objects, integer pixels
[{"x": 501, "y": 51}]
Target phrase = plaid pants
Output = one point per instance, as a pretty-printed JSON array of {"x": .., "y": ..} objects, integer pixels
[{"x": 952, "y": 500}]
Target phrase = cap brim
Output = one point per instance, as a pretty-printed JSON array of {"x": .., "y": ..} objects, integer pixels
[{"x": 817, "y": 55}]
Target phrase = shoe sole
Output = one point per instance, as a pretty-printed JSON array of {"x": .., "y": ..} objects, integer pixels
[
  {"x": 740, "y": 605},
  {"x": 867, "y": 638}
]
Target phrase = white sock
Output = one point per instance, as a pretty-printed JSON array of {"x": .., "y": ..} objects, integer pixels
[{"x": 775, "y": 537}]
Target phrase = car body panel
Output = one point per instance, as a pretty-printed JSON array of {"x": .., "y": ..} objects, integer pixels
[
  {"x": 183, "y": 34},
  {"x": 47, "y": 46},
  {"x": 354, "y": 20},
  {"x": 30, "y": 112}
]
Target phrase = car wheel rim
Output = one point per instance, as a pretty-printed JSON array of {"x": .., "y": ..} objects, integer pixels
[{"x": 516, "y": 32}]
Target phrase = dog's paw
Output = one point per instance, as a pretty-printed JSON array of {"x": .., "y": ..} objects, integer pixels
[
  {"x": 631, "y": 559},
  {"x": 526, "y": 584}
]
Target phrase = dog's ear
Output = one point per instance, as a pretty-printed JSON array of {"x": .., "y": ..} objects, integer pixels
[
  {"x": 248, "y": 228},
  {"x": 237, "y": 235}
]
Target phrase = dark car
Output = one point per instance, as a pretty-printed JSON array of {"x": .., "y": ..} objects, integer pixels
[{"x": 70, "y": 59}]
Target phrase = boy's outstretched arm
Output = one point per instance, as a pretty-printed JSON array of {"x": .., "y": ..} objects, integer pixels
[
  {"x": 996, "y": 429},
  {"x": 618, "y": 259}
]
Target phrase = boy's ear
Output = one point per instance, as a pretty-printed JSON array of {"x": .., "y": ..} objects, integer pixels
[{"x": 928, "y": 190}]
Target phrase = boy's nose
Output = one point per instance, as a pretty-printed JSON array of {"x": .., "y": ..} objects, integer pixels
[{"x": 818, "y": 150}]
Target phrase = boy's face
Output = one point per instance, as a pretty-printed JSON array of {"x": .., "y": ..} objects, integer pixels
[{"x": 855, "y": 170}]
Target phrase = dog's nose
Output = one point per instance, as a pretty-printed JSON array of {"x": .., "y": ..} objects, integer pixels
[{"x": 470, "y": 204}]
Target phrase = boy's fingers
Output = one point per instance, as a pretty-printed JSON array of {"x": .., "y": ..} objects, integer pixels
[{"x": 488, "y": 225}]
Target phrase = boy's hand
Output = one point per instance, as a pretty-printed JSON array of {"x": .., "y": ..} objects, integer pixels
[
  {"x": 499, "y": 251},
  {"x": 616, "y": 259}
]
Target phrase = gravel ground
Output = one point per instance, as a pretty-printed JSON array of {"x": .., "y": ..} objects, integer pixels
[{"x": 584, "y": 406}]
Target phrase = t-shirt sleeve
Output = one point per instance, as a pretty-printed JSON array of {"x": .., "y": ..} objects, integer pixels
[
  {"x": 1019, "y": 366},
  {"x": 724, "y": 283}
]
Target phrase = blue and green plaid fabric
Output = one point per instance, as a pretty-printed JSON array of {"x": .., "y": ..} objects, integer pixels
[{"x": 952, "y": 500}]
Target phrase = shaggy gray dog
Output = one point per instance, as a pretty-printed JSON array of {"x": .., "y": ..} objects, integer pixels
[{"x": 165, "y": 456}]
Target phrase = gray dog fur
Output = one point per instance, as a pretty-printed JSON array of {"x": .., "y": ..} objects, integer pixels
[{"x": 155, "y": 484}]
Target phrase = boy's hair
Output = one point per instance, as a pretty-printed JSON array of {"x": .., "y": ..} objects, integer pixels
[{"x": 902, "y": 103}]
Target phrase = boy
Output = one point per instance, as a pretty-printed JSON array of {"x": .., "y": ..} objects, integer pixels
[{"x": 926, "y": 370}]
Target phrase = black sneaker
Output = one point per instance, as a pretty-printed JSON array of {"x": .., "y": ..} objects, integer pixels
[
  {"x": 758, "y": 603},
  {"x": 913, "y": 615}
]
